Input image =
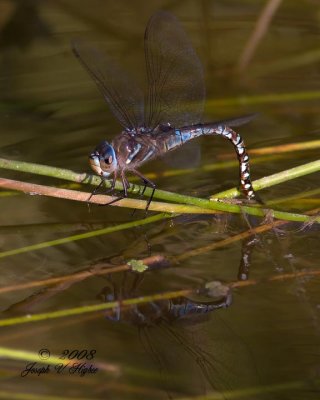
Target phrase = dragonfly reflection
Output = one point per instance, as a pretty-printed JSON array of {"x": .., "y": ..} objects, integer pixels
[
  {"x": 217, "y": 296},
  {"x": 192, "y": 354},
  {"x": 164, "y": 118}
]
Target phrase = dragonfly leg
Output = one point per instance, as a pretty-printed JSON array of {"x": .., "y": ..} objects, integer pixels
[
  {"x": 124, "y": 193},
  {"x": 125, "y": 184},
  {"x": 125, "y": 180},
  {"x": 147, "y": 183},
  {"x": 113, "y": 183},
  {"x": 96, "y": 189},
  {"x": 110, "y": 190}
]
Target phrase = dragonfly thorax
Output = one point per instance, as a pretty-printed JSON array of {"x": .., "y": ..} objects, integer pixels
[{"x": 103, "y": 159}]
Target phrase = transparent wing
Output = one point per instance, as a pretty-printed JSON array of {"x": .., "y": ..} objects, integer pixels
[
  {"x": 237, "y": 121},
  {"x": 176, "y": 90},
  {"x": 201, "y": 355},
  {"x": 125, "y": 99}
]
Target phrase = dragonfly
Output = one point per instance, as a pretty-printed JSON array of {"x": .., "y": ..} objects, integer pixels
[
  {"x": 217, "y": 296},
  {"x": 161, "y": 118}
]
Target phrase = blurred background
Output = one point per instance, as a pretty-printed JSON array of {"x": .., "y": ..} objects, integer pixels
[{"x": 259, "y": 57}]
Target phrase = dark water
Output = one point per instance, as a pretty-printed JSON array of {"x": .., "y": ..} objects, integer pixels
[{"x": 266, "y": 345}]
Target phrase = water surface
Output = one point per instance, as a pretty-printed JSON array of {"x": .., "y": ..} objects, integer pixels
[{"x": 51, "y": 113}]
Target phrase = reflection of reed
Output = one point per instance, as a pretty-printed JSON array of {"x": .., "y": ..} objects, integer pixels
[
  {"x": 157, "y": 261},
  {"x": 189, "y": 355}
]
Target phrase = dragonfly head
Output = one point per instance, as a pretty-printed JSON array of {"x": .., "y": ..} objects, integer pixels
[{"x": 103, "y": 159}]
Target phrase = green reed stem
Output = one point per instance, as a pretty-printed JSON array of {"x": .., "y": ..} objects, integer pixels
[
  {"x": 178, "y": 198},
  {"x": 275, "y": 179},
  {"x": 24, "y": 355},
  {"x": 93, "y": 308}
]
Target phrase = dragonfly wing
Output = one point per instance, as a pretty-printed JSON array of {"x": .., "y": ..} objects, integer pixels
[
  {"x": 125, "y": 98},
  {"x": 237, "y": 121},
  {"x": 176, "y": 89},
  {"x": 184, "y": 157}
]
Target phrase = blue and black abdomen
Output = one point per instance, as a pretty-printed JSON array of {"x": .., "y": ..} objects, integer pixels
[{"x": 178, "y": 137}]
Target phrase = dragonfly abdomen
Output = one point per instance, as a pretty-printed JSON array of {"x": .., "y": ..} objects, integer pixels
[
  {"x": 178, "y": 137},
  {"x": 187, "y": 133},
  {"x": 186, "y": 308}
]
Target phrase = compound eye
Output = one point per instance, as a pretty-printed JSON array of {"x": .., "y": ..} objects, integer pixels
[{"x": 108, "y": 160}]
